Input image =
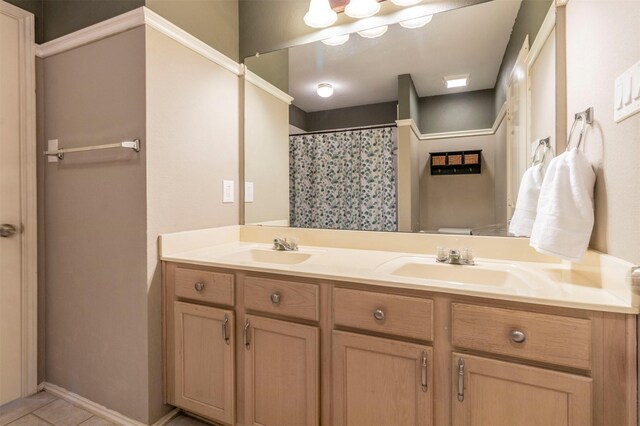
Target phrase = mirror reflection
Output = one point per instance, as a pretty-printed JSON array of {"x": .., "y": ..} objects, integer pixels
[{"x": 422, "y": 126}]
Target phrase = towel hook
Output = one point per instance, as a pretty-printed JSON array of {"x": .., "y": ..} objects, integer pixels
[
  {"x": 546, "y": 146},
  {"x": 586, "y": 117}
]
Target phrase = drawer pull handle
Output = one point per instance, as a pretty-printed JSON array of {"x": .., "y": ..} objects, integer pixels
[
  {"x": 245, "y": 335},
  {"x": 199, "y": 286},
  {"x": 517, "y": 336},
  {"x": 224, "y": 329},
  {"x": 275, "y": 298},
  {"x": 378, "y": 314},
  {"x": 460, "y": 380},
  {"x": 424, "y": 371}
]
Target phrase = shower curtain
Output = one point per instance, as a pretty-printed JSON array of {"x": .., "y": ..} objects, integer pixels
[{"x": 343, "y": 180}]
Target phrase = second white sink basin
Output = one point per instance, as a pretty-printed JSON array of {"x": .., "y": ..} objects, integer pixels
[
  {"x": 496, "y": 275},
  {"x": 269, "y": 256}
]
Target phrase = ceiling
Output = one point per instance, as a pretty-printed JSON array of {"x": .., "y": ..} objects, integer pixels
[{"x": 470, "y": 40}]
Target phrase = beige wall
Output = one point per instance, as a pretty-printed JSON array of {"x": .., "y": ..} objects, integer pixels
[
  {"x": 603, "y": 40},
  {"x": 462, "y": 201},
  {"x": 95, "y": 225},
  {"x": 408, "y": 181},
  {"x": 215, "y": 22},
  {"x": 192, "y": 146},
  {"x": 266, "y": 159}
]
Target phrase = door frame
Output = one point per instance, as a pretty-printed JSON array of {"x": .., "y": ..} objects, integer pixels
[{"x": 28, "y": 198}]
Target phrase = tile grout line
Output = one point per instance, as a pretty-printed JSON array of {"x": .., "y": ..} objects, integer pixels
[{"x": 45, "y": 405}]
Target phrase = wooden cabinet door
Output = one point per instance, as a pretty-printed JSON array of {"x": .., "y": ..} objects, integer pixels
[
  {"x": 382, "y": 382},
  {"x": 205, "y": 361},
  {"x": 496, "y": 393},
  {"x": 282, "y": 373}
]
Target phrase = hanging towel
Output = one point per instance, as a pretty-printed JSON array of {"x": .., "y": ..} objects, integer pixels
[
  {"x": 527, "y": 202},
  {"x": 564, "y": 219}
]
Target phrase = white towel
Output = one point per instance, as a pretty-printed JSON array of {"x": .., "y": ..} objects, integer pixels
[
  {"x": 564, "y": 220},
  {"x": 527, "y": 202}
]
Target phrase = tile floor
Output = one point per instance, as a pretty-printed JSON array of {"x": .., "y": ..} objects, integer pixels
[{"x": 44, "y": 409}]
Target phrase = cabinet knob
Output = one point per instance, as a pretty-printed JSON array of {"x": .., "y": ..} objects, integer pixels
[
  {"x": 517, "y": 336},
  {"x": 199, "y": 286},
  {"x": 378, "y": 314},
  {"x": 275, "y": 298}
]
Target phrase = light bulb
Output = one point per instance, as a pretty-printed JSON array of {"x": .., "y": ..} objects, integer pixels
[
  {"x": 337, "y": 40},
  {"x": 405, "y": 2},
  {"x": 362, "y": 8},
  {"x": 320, "y": 14},
  {"x": 373, "y": 32},
  {"x": 416, "y": 22},
  {"x": 324, "y": 90}
]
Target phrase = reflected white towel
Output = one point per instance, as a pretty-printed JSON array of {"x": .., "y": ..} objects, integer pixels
[
  {"x": 527, "y": 202},
  {"x": 461, "y": 231},
  {"x": 564, "y": 220}
]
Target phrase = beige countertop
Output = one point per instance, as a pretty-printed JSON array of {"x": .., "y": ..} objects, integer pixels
[{"x": 505, "y": 269}]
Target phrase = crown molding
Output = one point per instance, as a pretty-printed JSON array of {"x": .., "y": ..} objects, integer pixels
[
  {"x": 133, "y": 19},
  {"x": 263, "y": 84},
  {"x": 459, "y": 134}
]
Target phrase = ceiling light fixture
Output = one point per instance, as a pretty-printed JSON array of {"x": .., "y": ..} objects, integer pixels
[
  {"x": 320, "y": 14},
  {"x": 405, "y": 2},
  {"x": 324, "y": 90},
  {"x": 457, "y": 81},
  {"x": 336, "y": 40},
  {"x": 416, "y": 22},
  {"x": 373, "y": 32},
  {"x": 362, "y": 8}
]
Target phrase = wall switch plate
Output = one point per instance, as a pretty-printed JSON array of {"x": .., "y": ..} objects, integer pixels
[
  {"x": 227, "y": 191},
  {"x": 52, "y": 145},
  {"x": 626, "y": 100},
  {"x": 248, "y": 192}
]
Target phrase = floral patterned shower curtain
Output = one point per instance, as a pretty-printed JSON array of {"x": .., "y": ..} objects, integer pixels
[{"x": 343, "y": 180}]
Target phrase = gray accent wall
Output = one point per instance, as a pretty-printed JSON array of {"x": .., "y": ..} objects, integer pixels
[
  {"x": 528, "y": 22},
  {"x": 63, "y": 17},
  {"x": 341, "y": 118},
  {"x": 298, "y": 118},
  {"x": 457, "y": 111},
  {"x": 408, "y": 100}
]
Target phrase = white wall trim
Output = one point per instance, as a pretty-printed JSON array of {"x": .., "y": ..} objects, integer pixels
[
  {"x": 171, "y": 30},
  {"x": 28, "y": 199},
  {"x": 93, "y": 33},
  {"x": 459, "y": 134},
  {"x": 544, "y": 32},
  {"x": 263, "y": 84},
  {"x": 101, "y": 411},
  {"x": 133, "y": 19}
]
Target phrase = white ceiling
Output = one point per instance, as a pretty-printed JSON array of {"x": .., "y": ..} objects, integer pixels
[{"x": 470, "y": 40}]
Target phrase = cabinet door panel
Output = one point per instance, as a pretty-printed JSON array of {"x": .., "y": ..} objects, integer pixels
[
  {"x": 499, "y": 393},
  {"x": 379, "y": 381},
  {"x": 282, "y": 373},
  {"x": 205, "y": 367}
]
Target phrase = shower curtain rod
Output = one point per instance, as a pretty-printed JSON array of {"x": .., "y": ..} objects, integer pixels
[{"x": 347, "y": 129}]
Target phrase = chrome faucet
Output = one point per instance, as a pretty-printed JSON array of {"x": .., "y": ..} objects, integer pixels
[
  {"x": 454, "y": 257},
  {"x": 283, "y": 244}
]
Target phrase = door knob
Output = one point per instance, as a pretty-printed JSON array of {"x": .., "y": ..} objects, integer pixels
[{"x": 7, "y": 230}]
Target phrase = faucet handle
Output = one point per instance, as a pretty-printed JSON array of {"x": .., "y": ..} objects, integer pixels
[{"x": 467, "y": 255}]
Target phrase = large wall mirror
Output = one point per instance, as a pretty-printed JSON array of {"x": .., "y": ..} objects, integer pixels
[{"x": 422, "y": 126}]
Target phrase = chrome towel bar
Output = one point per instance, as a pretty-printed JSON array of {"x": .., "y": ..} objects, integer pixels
[{"x": 134, "y": 144}]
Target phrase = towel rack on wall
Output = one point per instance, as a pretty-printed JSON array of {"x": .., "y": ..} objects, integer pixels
[
  {"x": 134, "y": 145},
  {"x": 586, "y": 117},
  {"x": 545, "y": 144}
]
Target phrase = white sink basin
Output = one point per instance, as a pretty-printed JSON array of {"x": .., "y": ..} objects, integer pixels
[
  {"x": 483, "y": 274},
  {"x": 268, "y": 256}
]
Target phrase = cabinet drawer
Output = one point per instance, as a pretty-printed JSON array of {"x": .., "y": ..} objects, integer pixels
[
  {"x": 383, "y": 313},
  {"x": 538, "y": 337},
  {"x": 204, "y": 286},
  {"x": 288, "y": 298}
]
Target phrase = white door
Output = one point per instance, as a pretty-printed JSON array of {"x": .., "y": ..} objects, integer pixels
[{"x": 14, "y": 130}]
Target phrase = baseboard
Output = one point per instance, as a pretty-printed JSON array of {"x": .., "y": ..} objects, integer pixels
[{"x": 101, "y": 411}]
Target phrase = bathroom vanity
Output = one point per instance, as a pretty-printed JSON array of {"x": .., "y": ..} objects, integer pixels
[{"x": 334, "y": 335}]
